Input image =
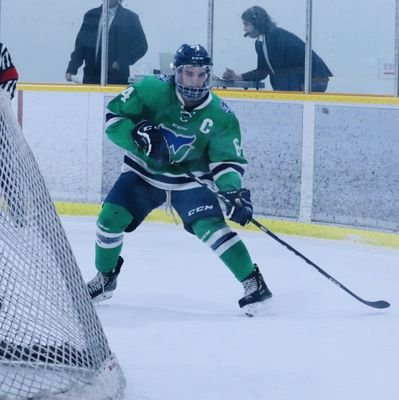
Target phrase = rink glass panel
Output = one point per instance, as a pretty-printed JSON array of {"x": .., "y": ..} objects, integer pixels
[{"x": 356, "y": 42}]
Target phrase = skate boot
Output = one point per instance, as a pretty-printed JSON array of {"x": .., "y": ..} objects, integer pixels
[
  {"x": 102, "y": 285},
  {"x": 256, "y": 291}
]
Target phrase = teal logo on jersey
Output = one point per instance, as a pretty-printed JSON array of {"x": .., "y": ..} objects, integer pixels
[{"x": 179, "y": 145}]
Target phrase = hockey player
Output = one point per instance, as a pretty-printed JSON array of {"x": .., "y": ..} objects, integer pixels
[{"x": 167, "y": 125}]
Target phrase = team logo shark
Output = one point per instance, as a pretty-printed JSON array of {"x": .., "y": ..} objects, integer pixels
[{"x": 179, "y": 145}]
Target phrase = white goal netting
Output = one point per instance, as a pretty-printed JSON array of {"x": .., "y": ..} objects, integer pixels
[{"x": 52, "y": 345}]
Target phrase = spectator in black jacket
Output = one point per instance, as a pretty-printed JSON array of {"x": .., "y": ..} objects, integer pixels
[
  {"x": 281, "y": 55},
  {"x": 126, "y": 44}
]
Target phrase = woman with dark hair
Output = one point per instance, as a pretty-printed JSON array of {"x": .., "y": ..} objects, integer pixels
[{"x": 281, "y": 55}]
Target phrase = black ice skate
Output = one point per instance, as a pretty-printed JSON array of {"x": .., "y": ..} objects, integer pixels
[
  {"x": 101, "y": 287},
  {"x": 256, "y": 291}
]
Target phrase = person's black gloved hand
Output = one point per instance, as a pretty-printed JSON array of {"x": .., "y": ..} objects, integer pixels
[
  {"x": 240, "y": 208},
  {"x": 151, "y": 141}
]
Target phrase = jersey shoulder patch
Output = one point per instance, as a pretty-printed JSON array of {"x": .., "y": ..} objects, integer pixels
[
  {"x": 164, "y": 78},
  {"x": 225, "y": 107}
]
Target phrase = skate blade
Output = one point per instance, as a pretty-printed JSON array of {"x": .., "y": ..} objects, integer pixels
[
  {"x": 101, "y": 297},
  {"x": 254, "y": 309}
]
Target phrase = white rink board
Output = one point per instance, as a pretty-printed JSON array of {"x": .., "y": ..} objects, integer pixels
[{"x": 355, "y": 154}]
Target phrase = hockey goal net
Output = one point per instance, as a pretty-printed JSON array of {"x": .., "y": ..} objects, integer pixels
[{"x": 52, "y": 345}]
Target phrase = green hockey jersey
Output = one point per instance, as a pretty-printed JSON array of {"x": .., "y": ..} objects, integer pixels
[{"x": 205, "y": 140}]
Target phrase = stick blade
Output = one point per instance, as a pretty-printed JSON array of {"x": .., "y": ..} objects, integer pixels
[{"x": 377, "y": 304}]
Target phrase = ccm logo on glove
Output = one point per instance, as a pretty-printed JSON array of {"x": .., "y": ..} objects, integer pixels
[{"x": 239, "y": 206}]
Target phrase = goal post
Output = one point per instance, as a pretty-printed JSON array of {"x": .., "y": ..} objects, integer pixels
[{"x": 52, "y": 344}]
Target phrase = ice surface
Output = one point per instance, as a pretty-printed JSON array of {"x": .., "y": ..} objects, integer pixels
[{"x": 178, "y": 332}]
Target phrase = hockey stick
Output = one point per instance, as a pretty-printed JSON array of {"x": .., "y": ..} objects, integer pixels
[{"x": 374, "y": 304}]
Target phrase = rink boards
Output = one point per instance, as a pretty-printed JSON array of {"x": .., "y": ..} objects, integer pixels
[{"x": 313, "y": 159}]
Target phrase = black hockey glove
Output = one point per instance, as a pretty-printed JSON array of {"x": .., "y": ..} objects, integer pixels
[
  {"x": 151, "y": 141},
  {"x": 240, "y": 208}
]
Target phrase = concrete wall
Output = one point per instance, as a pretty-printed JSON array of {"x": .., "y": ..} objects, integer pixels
[{"x": 311, "y": 158}]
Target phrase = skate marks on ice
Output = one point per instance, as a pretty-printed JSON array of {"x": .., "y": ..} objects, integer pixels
[
  {"x": 176, "y": 327},
  {"x": 163, "y": 260}
]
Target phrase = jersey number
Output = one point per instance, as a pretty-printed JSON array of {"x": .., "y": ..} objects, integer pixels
[
  {"x": 238, "y": 147},
  {"x": 126, "y": 94}
]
